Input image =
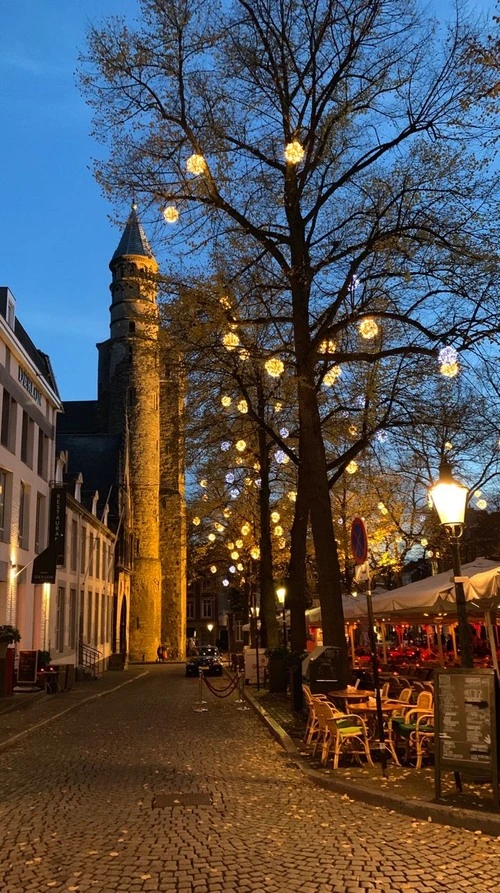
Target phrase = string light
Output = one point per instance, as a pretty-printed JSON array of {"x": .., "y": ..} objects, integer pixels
[
  {"x": 274, "y": 367},
  {"x": 226, "y": 401},
  {"x": 275, "y": 516},
  {"x": 227, "y": 512},
  {"x": 239, "y": 566},
  {"x": 294, "y": 152},
  {"x": 352, "y": 467},
  {"x": 204, "y": 483},
  {"x": 196, "y": 521},
  {"x": 235, "y": 555},
  {"x": 278, "y": 406},
  {"x": 281, "y": 457},
  {"x": 232, "y": 569},
  {"x": 225, "y": 446},
  {"x": 244, "y": 353},
  {"x": 481, "y": 503},
  {"x": 255, "y": 552},
  {"x": 211, "y": 537},
  {"x": 278, "y": 530},
  {"x": 213, "y": 569},
  {"x": 477, "y": 493},
  {"x": 171, "y": 214},
  {"x": 241, "y": 446},
  {"x": 353, "y": 430},
  {"x": 245, "y": 529},
  {"x": 256, "y": 466},
  {"x": 448, "y": 358},
  {"x": 239, "y": 460},
  {"x": 230, "y": 477},
  {"x": 219, "y": 527},
  {"x": 449, "y": 370},
  {"x": 332, "y": 375},
  {"x": 284, "y": 433},
  {"x": 282, "y": 543},
  {"x": 225, "y": 582},
  {"x": 448, "y": 445},
  {"x": 292, "y": 495},
  {"x": 196, "y": 164},
  {"x": 243, "y": 406},
  {"x": 382, "y": 509},
  {"x": 368, "y": 328},
  {"x": 230, "y": 546},
  {"x": 248, "y": 482},
  {"x": 239, "y": 544},
  {"x": 226, "y": 303},
  {"x": 230, "y": 340},
  {"x": 234, "y": 493},
  {"x": 328, "y": 346}
]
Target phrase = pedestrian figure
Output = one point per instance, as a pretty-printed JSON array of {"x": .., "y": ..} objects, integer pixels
[
  {"x": 159, "y": 654},
  {"x": 164, "y": 654}
]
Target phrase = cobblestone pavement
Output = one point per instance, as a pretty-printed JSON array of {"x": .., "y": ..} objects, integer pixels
[{"x": 87, "y": 806}]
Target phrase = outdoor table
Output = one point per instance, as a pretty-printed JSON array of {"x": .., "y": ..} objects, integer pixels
[
  {"x": 345, "y": 695},
  {"x": 370, "y": 711}
]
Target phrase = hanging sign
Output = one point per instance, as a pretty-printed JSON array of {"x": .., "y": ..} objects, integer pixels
[{"x": 359, "y": 541}]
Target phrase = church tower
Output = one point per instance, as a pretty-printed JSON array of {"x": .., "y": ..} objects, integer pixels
[{"x": 128, "y": 405}]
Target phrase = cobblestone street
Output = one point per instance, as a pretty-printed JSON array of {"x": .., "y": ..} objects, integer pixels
[{"x": 86, "y": 807}]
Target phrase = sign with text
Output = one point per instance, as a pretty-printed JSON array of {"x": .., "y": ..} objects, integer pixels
[
  {"x": 57, "y": 523},
  {"x": 27, "y": 667}
]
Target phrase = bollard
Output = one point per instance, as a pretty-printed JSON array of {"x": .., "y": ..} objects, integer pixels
[
  {"x": 241, "y": 703},
  {"x": 201, "y": 705}
]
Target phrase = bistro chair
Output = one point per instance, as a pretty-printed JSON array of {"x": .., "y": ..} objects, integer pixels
[
  {"x": 421, "y": 740},
  {"x": 312, "y": 727},
  {"x": 326, "y": 714},
  {"x": 400, "y": 727},
  {"x": 350, "y": 735}
]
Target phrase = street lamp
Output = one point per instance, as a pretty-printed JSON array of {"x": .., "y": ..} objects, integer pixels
[
  {"x": 449, "y": 498},
  {"x": 281, "y": 594},
  {"x": 210, "y": 627},
  {"x": 254, "y": 612}
]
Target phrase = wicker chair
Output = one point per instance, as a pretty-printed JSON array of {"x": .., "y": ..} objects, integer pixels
[{"x": 349, "y": 734}]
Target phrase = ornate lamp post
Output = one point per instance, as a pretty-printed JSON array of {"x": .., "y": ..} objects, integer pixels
[
  {"x": 281, "y": 596},
  {"x": 449, "y": 498}
]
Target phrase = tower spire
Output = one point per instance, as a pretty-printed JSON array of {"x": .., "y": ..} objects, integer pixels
[{"x": 133, "y": 241}]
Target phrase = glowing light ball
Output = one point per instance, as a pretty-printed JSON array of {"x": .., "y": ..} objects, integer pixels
[
  {"x": 448, "y": 355},
  {"x": 230, "y": 477},
  {"x": 255, "y": 552},
  {"x": 235, "y": 555},
  {"x": 225, "y": 582},
  {"x": 275, "y": 516},
  {"x": 352, "y": 467},
  {"x": 332, "y": 375},
  {"x": 292, "y": 495},
  {"x": 449, "y": 370},
  {"x": 245, "y": 529},
  {"x": 278, "y": 530},
  {"x": 243, "y": 406},
  {"x": 196, "y": 164},
  {"x": 481, "y": 503},
  {"x": 226, "y": 401},
  {"x": 241, "y": 446},
  {"x": 196, "y": 521},
  {"x": 230, "y": 340},
  {"x": 274, "y": 367},
  {"x": 284, "y": 433},
  {"x": 225, "y": 446},
  {"x": 368, "y": 329},
  {"x": 213, "y": 569},
  {"x": 234, "y": 493},
  {"x": 328, "y": 346},
  {"x": 294, "y": 152},
  {"x": 211, "y": 537}
]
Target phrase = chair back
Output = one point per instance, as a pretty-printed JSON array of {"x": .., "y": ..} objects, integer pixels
[
  {"x": 384, "y": 692},
  {"x": 425, "y": 700},
  {"x": 405, "y": 695}
]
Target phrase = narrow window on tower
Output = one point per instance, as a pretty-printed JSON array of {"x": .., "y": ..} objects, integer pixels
[
  {"x": 131, "y": 396},
  {"x": 131, "y": 327}
]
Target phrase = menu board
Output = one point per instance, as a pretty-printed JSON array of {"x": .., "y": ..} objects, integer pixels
[
  {"x": 26, "y": 671},
  {"x": 466, "y": 719}
]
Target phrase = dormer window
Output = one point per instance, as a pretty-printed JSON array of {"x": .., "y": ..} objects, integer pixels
[{"x": 11, "y": 313}]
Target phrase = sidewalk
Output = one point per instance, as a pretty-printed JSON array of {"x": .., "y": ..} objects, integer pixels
[
  {"x": 405, "y": 790},
  {"x": 21, "y": 714}
]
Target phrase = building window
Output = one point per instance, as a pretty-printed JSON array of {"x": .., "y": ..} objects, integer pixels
[
  {"x": 43, "y": 453},
  {"x": 60, "y": 619},
  {"x": 74, "y": 545},
  {"x": 40, "y": 522},
  {"x": 91, "y": 555},
  {"x": 131, "y": 327},
  {"x": 3, "y": 504},
  {"x": 238, "y": 631},
  {"x": 23, "y": 526},
  {"x": 190, "y": 610},
  {"x": 103, "y": 618},
  {"x": 72, "y": 618},
  {"x": 11, "y": 314},
  {"x": 27, "y": 439},
  {"x": 97, "y": 617},
  {"x": 9, "y": 422},
  {"x": 83, "y": 553},
  {"x": 90, "y": 637},
  {"x": 206, "y": 608},
  {"x": 97, "y": 557}
]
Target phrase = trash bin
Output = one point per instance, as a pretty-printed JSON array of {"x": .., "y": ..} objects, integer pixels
[{"x": 321, "y": 669}]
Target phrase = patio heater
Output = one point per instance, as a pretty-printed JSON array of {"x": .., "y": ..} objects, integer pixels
[
  {"x": 449, "y": 498},
  {"x": 255, "y": 611}
]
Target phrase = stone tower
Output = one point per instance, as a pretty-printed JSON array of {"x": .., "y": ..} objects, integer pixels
[{"x": 128, "y": 405}]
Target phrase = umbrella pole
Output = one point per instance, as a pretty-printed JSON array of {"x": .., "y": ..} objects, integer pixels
[
  {"x": 439, "y": 631},
  {"x": 491, "y": 639},
  {"x": 384, "y": 642},
  {"x": 454, "y": 640},
  {"x": 351, "y": 636}
]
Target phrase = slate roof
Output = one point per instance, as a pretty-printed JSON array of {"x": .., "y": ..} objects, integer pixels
[
  {"x": 79, "y": 417},
  {"x": 133, "y": 240},
  {"x": 97, "y": 457}
]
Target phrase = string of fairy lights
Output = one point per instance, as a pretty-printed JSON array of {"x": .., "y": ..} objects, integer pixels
[{"x": 368, "y": 329}]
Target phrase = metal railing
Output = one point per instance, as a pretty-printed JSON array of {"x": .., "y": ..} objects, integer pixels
[{"x": 90, "y": 660}]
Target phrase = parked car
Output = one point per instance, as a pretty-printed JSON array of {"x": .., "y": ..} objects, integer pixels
[{"x": 208, "y": 658}]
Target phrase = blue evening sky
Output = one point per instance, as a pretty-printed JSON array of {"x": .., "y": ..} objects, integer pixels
[{"x": 55, "y": 236}]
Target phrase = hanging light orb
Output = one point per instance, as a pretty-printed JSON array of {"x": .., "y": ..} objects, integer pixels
[
  {"x": 258, "y": 482},
  {"x": 255, "y": 552},
  {"x": 239, "y": 566},
  {"x": 477, "y": 493},
  {"x": 481, "y": 503},
  {"x": 213, "y": 569},
  {"x": 245, "y": 530},
  {"x": 241, "y": 446},
  {"x": 448, "y": 445},
  {"x": 274, "y": 367},
  {"x": 256, "y": 466},
  {"x": 244, "y": 353},
  {"x": 204, "y": 483},
  {"x": 234, "y": 493},
  {"x": 239, "y": 544},
  {"x": 368, "y": 328},
  {"x": 424, "y": 542},
  {"x": 196, "y": 164},
  {"x": 235, "y": 555},
  {"x": 226, "y": 303},
  {"x": 226, "y": 401},
  {"x": 230, "y": 546},
  {"x": 284, "y": 433},
  {"x": 278, "y": 530},
  {"x": 232, "y": 569},
  {"x": 292, "y": 495},
  {"x": 248, "y": 482},
  {"x": 205, "y": 497},
  {"x": 225, "y": 446},
  {"x": 211, "y": 537},
  {"x": 381, "y": 436},
  {"x": 230, "y": 477},
  {"x": 332, "y": 375},
  {"x": 328, "y": 346},
  {"x": 242, "y": 406},
  {"x": 448, "y": 355},
  {"x": 294, "y": 152},
  {"x": 449, "y": 370},
  {"x": 239, "y": 460},
  {"x": 281, "y": 457},
  {"x": 225, "y": 582},
  {"x": 170, "y": 214},
  {"x": 196, "y": 521},
  {"x": 353, "y": 430},
  {"x": 282, "y": 543},
  {"x": 352, "y": 467},
  {"x": 219, "y": 527},
  {"x": 275, "y": 516},
  {"x": 227, "y": 512},
  {"x": 278, "y": 406},
  {"x": 230, "y": 340}
]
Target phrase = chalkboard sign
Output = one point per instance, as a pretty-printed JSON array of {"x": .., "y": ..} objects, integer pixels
[
  {"x": 27, "y": 667},
  {"x": 466, "y": 724}
]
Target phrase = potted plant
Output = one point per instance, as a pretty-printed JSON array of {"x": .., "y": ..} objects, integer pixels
[
  {"x": 8, "y": 635},
  {"x": 277, "y": 667}
]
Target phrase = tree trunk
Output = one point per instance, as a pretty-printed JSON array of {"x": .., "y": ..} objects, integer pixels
[
  {"x": 296, "y": 596},
  {"x": 269, "y": 629}
]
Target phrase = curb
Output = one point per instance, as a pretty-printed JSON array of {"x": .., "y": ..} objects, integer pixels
[
  {"x": 100, "y": 694},
  {"x": 485, "y": 822}
]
